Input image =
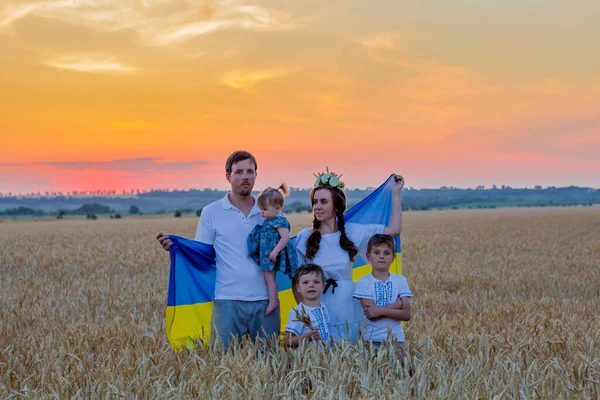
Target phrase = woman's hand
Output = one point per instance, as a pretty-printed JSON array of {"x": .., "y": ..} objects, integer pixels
[
  {"x": 398, "y": 182},
  {"x": 395, "y": 225}
]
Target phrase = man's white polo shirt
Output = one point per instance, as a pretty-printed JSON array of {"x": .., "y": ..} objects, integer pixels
[{"x": 227, "y": 229}]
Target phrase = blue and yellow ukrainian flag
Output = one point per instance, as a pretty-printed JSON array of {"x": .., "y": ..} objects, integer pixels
[{"x": 192, "y": 275}]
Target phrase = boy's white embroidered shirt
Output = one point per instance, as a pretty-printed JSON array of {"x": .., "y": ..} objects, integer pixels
[
  {"x": 238, "y": 277},
  {"x": 319, "y": 318},
  {"x": 383, "y": 294}
]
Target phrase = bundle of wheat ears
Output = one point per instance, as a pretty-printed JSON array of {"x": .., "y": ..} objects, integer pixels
[{"x": 302, "y": 316}]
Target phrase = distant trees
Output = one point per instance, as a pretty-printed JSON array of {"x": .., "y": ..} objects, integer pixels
[
  {"x": 92, "y": 208},
  {"x": 22, "y": 211},
  {"x": 178, "y": 214},
  {"x": 303, "y": 208},
  {"x": 297, "y": 207},
  {"x": 89, "y": 210},
  {"x": 193, "y": 201}
]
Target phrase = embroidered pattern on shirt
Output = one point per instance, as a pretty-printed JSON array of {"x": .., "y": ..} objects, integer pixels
[
  {"x": 321, "y": 323},
  {"x": 362, "y": 296},
  {"x": 383, "y": 293},
  {"x": 292, "y": 330}
]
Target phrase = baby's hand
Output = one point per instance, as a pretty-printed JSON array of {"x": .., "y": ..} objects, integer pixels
[{"x": 273, "y": 256}]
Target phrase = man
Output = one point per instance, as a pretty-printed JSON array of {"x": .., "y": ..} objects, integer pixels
[{"x": 241, "y": 296}]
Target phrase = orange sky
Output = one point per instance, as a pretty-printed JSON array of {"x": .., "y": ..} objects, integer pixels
[{"x": 121, "y": 94}]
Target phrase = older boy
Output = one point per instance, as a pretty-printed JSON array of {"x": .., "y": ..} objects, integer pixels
[{"x": 380, "y": 292}]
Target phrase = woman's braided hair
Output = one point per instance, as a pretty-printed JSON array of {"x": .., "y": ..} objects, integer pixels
[{"x": 339, "y": 204}]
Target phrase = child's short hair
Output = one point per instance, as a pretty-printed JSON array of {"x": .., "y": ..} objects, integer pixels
[
  {"x": 310, "y": 268},
  {"x": 272, "y": 196},
  {"x": 381, "y": 239}
]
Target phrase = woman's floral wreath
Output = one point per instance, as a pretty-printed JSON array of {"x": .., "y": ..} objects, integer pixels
[{"x": 329, "y": 178}]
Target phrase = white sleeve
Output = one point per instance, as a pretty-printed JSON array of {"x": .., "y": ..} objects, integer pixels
[
  {"x": 403, "y": 289},
  {"x": 205, "y": 232},
  {"x": 360, "y": 235},
  {"x": 301, "y": 247},
  {"x": 292, "y": 326},
  {"x": 362, "y": 290}
]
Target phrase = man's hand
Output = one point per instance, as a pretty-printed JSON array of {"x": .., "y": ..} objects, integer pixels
[
  {"x": 373, "y": 313},
  {"x": 164, "y": 240},
  {"x": 273, "y": 256}
]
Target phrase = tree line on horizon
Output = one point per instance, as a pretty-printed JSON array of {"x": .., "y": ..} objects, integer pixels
[
  {"x": 174, "y": 192},
  {"x": 189, "y": 202}
]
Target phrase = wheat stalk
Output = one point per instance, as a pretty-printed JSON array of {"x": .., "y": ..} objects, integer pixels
[
  {"x": 505, "y": 306},
  {"x": 302, "y": 316}
]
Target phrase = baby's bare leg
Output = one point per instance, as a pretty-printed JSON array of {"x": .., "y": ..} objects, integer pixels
[{"x": 272, "y": 290}]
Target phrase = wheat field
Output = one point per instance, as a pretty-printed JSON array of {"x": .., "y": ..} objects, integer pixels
[{"x": 506, "y": 306}]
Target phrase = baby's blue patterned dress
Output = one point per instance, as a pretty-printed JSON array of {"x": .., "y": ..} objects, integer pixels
[{"x": 263, "y": 239}]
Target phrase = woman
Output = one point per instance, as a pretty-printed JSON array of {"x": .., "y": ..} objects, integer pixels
[{"x": 333, "y": 244}]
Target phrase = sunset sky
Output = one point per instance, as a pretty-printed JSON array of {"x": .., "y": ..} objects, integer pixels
[{"x": 122, "y": 94}]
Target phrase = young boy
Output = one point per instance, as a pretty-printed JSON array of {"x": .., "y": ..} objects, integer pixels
[
  {"x": 385, "y": 297},
  {"x": 310, "y": 285}
]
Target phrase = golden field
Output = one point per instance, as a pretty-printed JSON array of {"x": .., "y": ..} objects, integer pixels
[{"x": 507, "y": 305}]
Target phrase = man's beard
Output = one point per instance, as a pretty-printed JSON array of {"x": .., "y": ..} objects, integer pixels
[{"x": 244, "y": 192}]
